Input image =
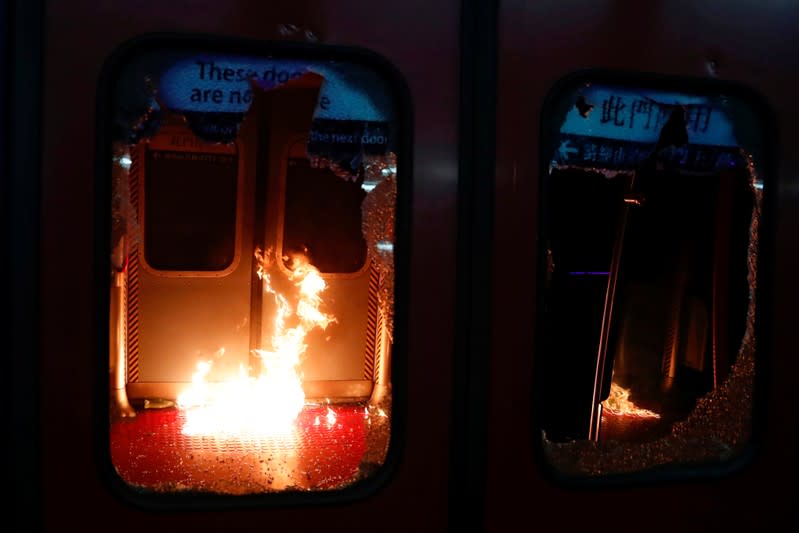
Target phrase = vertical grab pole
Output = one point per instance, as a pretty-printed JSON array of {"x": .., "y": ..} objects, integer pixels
[
  {"x": 120, "y": 406},
  {"x": 607, "y": 313}
]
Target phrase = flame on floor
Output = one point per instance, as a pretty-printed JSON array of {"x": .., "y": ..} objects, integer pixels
[
  {"x": 619, "y": 403},
  {"x": 266, "y": 404}
]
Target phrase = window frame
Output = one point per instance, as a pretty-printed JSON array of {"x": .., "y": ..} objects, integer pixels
[
  {"x": 290, "y": 50},
  {"x": 552, "y": 115}
]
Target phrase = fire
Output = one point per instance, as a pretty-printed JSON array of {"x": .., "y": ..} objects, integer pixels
[
  {"x": 267, "y": 404},
  {"x": 618, "y": 403}
]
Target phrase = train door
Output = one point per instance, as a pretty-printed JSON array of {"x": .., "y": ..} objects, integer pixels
[
  {"x": 623, "y": 263},
  {"x": 202, "y": 220},
  {"x": 207, "y": 214}
]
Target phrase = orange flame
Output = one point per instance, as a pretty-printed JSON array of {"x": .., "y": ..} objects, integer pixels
[
  {"x": 266, "y": 405},
  {"x": 618, "y": 403}
]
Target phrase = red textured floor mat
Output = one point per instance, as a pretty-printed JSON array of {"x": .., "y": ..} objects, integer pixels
[{"x": 150, "y": 452}]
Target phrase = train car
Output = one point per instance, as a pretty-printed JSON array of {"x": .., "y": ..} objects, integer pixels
[{"x": 427, "y": 266}]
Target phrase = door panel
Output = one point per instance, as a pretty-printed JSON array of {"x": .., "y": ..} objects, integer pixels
[
  {"x": 541, "y": 43},
  {"x": 80, "y": 38}
]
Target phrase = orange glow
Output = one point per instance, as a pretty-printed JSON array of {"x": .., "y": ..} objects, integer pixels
[
  {"x": 618, "y": 403},
  {"x": 266, "y": 404}
]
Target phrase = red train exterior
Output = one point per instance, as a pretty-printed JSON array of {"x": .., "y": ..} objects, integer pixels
[{"x": 478, "y": 75}]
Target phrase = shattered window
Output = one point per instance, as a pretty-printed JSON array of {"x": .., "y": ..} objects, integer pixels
[
  {"x": 253, "y": 202},
  {"x": 652, "y": 202}
]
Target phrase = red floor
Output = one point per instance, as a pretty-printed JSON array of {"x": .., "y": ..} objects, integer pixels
[{"x": 149, "y": 452}]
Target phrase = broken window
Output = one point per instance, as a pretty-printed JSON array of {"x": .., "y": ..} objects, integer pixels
[
  {"x": 253, "y": 201},
  {"x": 652, "y": 205}
]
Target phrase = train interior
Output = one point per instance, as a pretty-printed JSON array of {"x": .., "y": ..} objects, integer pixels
[
  {"x": 251, "y": 275},
  {"x": 652, "y": 211}
]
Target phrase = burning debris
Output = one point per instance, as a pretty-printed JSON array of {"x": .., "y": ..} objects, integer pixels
[
  {"x": 619, "y": 403},
  {"x": 266, "y": 404}
]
